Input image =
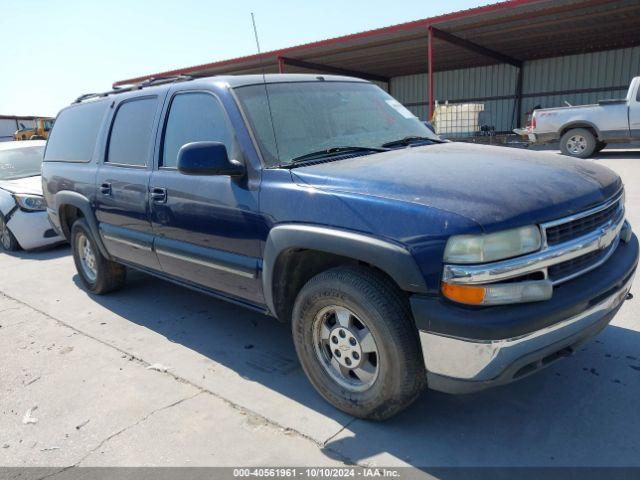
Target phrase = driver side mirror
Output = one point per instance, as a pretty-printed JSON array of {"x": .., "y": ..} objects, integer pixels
[{"x": 207, "y": 158}]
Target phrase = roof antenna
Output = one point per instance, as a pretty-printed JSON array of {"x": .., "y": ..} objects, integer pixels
[{"x": 266, "y": 89}]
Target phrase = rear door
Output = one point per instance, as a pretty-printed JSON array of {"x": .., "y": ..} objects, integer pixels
[
  {"x": 207, "y": 227},
  {"x": 122, "y": 197}
]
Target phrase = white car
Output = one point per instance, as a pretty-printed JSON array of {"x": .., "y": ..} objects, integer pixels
[{"x": 23, "y": 217}]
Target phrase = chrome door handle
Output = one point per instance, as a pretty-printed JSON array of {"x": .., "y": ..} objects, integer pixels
[
  {"x": 105, "y": 189},
  {"x": 159, "y": 195}
]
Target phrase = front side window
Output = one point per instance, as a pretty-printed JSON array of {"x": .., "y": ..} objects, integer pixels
[
  {"x": 20, "y": 162},
  {"x": 194, "y": 117},
  {"x": 131, "y": 132},
  {"x": 305, "y": 117}
]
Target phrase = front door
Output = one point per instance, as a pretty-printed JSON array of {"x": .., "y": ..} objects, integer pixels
[
  {"x": 122, "y": 181},
  {"x": 207, "y": 227}
]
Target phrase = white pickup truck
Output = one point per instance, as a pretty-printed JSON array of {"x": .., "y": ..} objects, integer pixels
[{"x": 586, "y": 129}]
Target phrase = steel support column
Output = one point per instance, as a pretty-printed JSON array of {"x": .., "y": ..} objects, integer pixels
[
  {"x": 518, "y": 107},
  {"x": 430, "y": 70},
  {"x": 280, "y": 65}
]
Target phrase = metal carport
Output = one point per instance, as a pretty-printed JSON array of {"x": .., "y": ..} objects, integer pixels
[{"x": 511, "y": 32}]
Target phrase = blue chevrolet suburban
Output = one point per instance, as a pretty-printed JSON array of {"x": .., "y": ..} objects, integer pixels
[{"x": 400, "y": 260}]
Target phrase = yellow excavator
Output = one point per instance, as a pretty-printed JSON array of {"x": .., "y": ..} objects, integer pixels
[{"x": 40, "y": 131}]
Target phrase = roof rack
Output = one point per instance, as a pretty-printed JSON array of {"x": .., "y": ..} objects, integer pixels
[{"x": 149, "y": 82}]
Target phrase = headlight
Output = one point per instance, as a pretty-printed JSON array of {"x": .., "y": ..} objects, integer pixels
[
  {"x": 494, "y": 246},
  {"x": 31, "y": 203}
]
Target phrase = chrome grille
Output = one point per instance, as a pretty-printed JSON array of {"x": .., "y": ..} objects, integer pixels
[
  {"x": 576, "y": 228},
  {"x": 571, "y": 268},
  {"x": 579, "y": 225}
]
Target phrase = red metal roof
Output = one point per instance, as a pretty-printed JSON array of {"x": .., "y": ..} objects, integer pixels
[{"x": 521, "y": 29}]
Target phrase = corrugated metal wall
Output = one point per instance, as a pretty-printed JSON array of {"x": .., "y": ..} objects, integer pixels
[
  {"x": 8, "y": 126},
  {"x": 545, "y": 83},
  {"x": 611, "y": 70},
  {"x": 455, "y": 85},
  {"x": 7, "y": 129}
]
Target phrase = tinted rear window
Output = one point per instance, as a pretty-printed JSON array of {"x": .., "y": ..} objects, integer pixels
[
  {"x": 74, "y": 134},
  {"x": 131, "y": 132}
]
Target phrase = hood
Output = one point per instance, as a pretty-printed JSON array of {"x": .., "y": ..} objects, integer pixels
[
  {"x": 497, "y": 187},
  {"x": 29, "y": 185}
]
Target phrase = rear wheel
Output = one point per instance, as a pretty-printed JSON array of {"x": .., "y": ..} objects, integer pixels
[
  {"x": 98, "y": 274},
  {"x": 578, "y": 142},
  {"x": 7, "y": 240},
  {"x": 357, "y": 342}
]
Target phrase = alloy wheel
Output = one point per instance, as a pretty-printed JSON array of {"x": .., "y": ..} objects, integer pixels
[
  {"x": 87, "y": 258},
  {"x": 346, "y": 348},
  {"x": 576, "y": 144}
]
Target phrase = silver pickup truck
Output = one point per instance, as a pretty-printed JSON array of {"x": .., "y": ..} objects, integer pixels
[{"x": 586, "y": 129}]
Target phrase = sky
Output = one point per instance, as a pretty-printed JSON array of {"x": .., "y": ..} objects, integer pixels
[{"x": 56, "y": 50}]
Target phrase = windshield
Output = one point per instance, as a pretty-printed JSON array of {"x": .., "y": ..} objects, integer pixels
[
  {"x": 20, "y": 162},
  {"x": 313, "y": 116}
]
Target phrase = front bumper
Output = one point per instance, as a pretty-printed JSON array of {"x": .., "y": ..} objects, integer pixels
[
  {"x": 468, "y": 349},
  {"x": 33, "y": 229}
]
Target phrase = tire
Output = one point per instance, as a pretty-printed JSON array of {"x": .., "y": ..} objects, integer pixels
[
  {"x": 578, "y": 142},
  {"x": 8, "y": 241},
  {"x": 391, "y": 371},
  {"x": 600, "y": 146},
  {"x": 98, "y": 274}
]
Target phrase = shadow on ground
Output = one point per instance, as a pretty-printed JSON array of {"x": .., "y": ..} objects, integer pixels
[
  {"x": 621, "y": 154},
  {"x": 47, "y": 253},
  {"x": 255, "y": 346},
  {"x": 581, "y": 411}
]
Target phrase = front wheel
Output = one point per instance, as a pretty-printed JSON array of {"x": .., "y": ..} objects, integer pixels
[
  {"x": 7, "y": 239},
  {"x": 357, "y": 342},
  {"x": 98, "y": 274},
  {"x": 578, "y": 142}
]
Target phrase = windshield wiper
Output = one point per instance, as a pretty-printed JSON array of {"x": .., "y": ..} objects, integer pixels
[
  {"x": 410, "y": 140},
  {"x": 329, "y": 152}
]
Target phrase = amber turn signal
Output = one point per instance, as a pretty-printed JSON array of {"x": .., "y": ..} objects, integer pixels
[
  {"x": 464, "y": 294},
  {"x": 499, "y": 293}
]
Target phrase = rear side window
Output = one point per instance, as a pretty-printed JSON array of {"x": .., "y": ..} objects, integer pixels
[
  {"x": 74, "y": 133},
  {"x": 194, "y": 117},
  {"x": 131, "y": 132}
]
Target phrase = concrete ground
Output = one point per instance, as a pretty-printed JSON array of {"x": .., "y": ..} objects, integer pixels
[{"x": 158, "y": 375}]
